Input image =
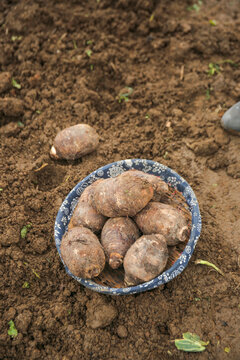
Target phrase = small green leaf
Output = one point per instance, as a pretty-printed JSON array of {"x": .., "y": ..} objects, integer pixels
[
  {"x": 204, "y": 262},
  {"x": 14, "y": 38},
  {"x": 151, "y": 17},
  {"x": 213, "y": 22},
  {"x": 213, "y": 68},
  {"x": 38, "y": 112},
  {"x": 25, "y": 285},
  {"x": 197, "y": 299},
  {"x": 190, "y": 343},
  {"x": 195, "y": 7},
  {"x": 24, "y": 230},
  {"x": 36, "y": 274},
  {"x": 165, "y": 156},
  {"x": 208, "y": 94},
  {"x": 124, "y": 96},
  {"x": 75, "y": 44},
  {"x": 20, "y": 124},
  {"x": 16, "y": 84},
  {"x": 89, "y": 42},
  {"x": 227, "y": 349},
  {"x": 228, "y": 61},
  {"x": 1, "y": 189},
  {"x": 91, "y": 67},
  {"x": 194, "y": 337},
  {"x": 12, "y": 331},
  {"x": 88, "y": 52}
]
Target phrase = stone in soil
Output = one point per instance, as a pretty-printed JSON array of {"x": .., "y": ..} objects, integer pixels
[{"x": 231, "y": 118}]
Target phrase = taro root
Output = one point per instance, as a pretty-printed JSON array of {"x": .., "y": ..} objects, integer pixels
[
  {"x": 82, "y": 252},
  {"x": 158, "y": 218},
  {"x": 74, "y": 142},
  {"x": 87, "y": 193},
  {"x": 159, "y": 186},
  {"x": 145, "y": 259},
  {"x": 122, "y": 196},
  {"x": 118, "y": 234},
  {"x": 85, "y": 214}
]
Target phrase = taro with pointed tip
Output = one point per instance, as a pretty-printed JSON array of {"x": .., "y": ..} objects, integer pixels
[
  {"x": 158, "y": 218},
  {"x": 85, "y": 214},
  {"x": 159, "y": 186},
  {"x": 74, "y": 142},
  {"x": 118, "y": 234}
]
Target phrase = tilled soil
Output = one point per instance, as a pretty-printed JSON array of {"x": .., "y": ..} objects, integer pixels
[{"x": 72, "y": 60}]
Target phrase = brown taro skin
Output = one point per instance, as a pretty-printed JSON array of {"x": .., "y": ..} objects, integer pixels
[
  {"x": 118, "y": 234},
  {"x": 85, "y": 214},
  {"x": 159, "y": 186},
  {"x": 145, "y": 259},
  {"x": 74, "y": 142},
  {"x": 158, "y": 218},
  {"x": 87, "y": 193},
  {"x": 82, "y": 252},
  {"x": 122, "y": 196}
]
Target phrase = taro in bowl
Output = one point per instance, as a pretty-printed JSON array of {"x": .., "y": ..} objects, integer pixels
[{"x": 111, "y": 281}]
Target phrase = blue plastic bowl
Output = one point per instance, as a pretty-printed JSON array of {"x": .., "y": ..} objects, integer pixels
[{"x": 112, "y": 170}]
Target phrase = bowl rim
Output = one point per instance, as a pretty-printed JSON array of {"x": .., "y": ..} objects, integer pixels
[{"x": 115, "y": 168}]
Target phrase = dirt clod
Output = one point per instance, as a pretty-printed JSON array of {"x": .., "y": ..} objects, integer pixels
[
  {"x": 122, "y": 331},
  {"x": 100, "y": 314},
  {"x": 23, "y": 321},
  {"x": 5, "y": 81},
  {"x": 11, "y": 106},
  {"x": 11, "y": 236},
  {"x": 204, "y": 147},
  {"x": 234, "y": 170}
]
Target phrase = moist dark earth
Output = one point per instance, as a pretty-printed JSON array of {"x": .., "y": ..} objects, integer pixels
[{"x": 73, "y": 60}]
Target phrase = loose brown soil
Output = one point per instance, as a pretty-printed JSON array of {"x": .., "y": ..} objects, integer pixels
[{"x": 162, "y": 51}]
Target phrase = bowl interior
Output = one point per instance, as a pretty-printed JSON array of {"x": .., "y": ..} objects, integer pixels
[{"x": 175, "y": 181}]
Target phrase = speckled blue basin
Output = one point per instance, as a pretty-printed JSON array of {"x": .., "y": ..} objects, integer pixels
[{"x": 112, "y": 170}]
